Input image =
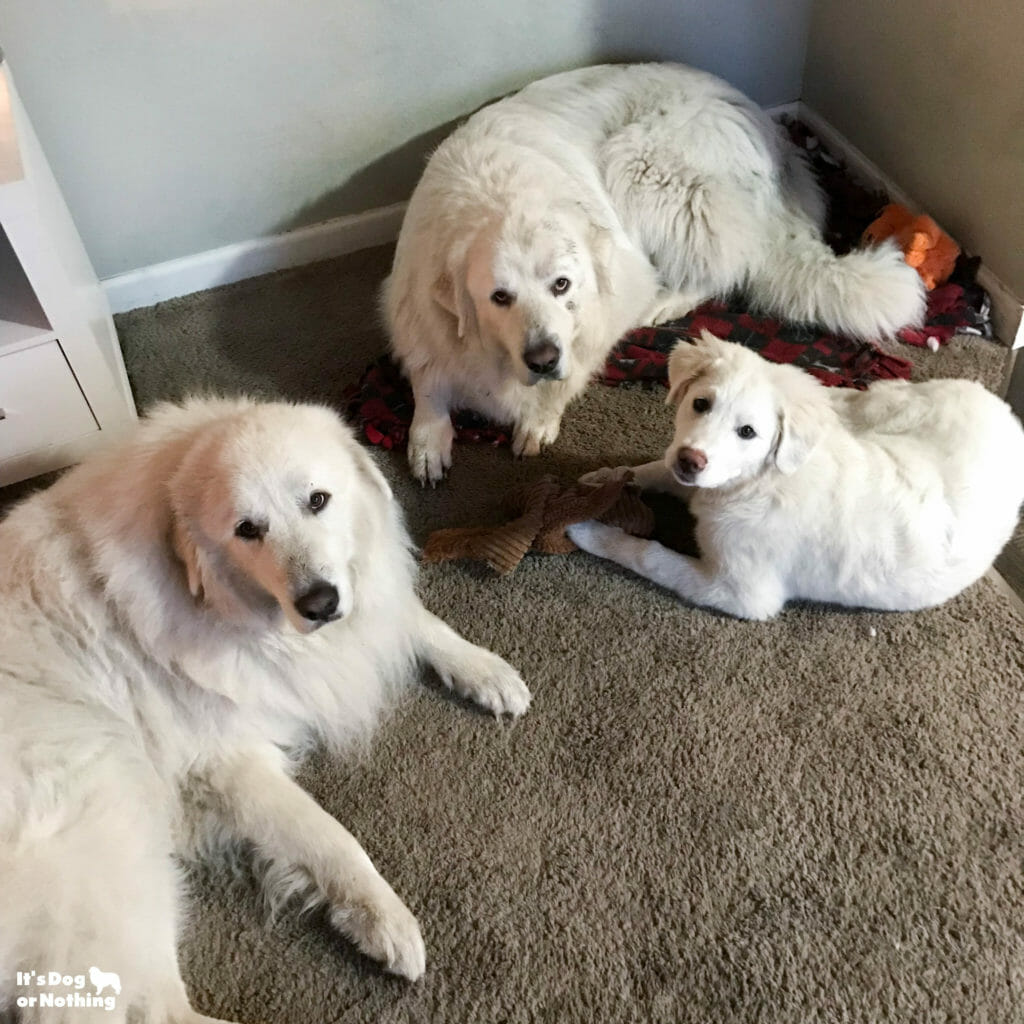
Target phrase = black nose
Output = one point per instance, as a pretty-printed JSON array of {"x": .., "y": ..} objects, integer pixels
[
  {"x": 542, "y": 358},
  {"x": 319, "y": 603}
]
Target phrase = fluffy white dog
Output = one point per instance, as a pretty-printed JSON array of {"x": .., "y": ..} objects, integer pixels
[
  {"x": 104, "y": 979},
  {"x": 179, "y": 619},
  {"x": 591, "y": 202},
  {"x": 894, "y": 498}
]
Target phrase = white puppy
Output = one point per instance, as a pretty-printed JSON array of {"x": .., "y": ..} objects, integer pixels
[
  {"x": 590, "y": 202},
  {"x": 894, "y": 498},
  {"x": 179, "y": 619}
]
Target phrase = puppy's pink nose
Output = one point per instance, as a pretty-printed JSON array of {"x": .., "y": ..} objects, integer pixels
[{"x": 691, "y": 461}]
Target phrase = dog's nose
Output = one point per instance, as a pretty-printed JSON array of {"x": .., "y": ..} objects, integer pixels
[
  {"x": 542, "y": 358},
  {"x": 319, "y": 603},
  {"x": 690, "y": 461}
]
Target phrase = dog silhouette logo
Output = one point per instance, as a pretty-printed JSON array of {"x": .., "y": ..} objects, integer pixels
[{"x": 104, "y": 979}]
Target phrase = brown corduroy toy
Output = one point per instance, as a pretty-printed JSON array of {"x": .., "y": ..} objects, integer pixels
[{"x": 542, "y": 511}]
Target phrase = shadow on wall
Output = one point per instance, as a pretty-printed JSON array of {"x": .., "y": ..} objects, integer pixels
[
  {"x": 388, "y": 179},
  {"x": 287, "y": 334}
]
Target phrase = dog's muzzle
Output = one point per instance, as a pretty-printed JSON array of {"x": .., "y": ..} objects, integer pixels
[
  {"x": 542, "y": 356},
  {"x": 319, "y": 603}
]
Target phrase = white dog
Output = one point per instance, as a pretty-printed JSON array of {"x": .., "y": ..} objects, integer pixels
[
  {"x": 894, "y": 498},
  {"x": 104, "y": 979},
  {"x": 179, "y": 618},
  {"x": 591, "y": 202}
]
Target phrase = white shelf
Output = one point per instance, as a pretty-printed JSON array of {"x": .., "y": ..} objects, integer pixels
[
  {"x": 62, "y": 379},
  {"x": 15, "y": 336}
]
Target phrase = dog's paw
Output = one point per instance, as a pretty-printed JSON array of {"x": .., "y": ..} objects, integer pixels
[
  {"x": 594, "y": 537},
  {"x": 430, "y": 452},
  {"x": 531, "y": 439},
  {"x": 669, "y": 306},
  {"x": 384, "y": 928},
  {"x": 606, "y": 475},
  {"x": 490, "y": 682}
]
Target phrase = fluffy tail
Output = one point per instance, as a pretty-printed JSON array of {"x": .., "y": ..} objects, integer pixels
[{"x": 868, "y": 293}]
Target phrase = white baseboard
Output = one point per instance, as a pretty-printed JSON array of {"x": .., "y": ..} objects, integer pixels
[
  {"x": 338, "y": 237},
  {"x": 344, "y": 235},
  {"x": 1007, "y": 309}
]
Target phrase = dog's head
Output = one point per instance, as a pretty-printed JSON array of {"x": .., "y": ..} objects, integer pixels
[
  {"x": 273, "y": 509},
  {"x": 737, "y": 414},
  {"x": 521, "y": 284}
]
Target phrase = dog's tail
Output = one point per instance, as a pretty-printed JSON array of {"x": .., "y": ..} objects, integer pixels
[{"x": 868, "y": 293}]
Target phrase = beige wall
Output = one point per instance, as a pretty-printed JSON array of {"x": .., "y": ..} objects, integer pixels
[{"x": 933, "y": 92}]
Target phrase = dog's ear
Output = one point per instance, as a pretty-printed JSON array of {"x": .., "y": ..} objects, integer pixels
[
  {"x": 185, "y": 483},
  {"x": 601, "y": 255},
  {"x": 800, "y": 427},
  {"x": 185, "y": 548},
  {"x": 688, "y": 361},
  {"x": 368, "y": 468},
  {"x": 450, "y": 291}
]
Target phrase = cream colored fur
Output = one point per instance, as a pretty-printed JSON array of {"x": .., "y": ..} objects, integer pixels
[
  {"x": 587, "y": 204},
  {"x": 894, "y": 498},
  {"x": 158, "y": 679}
]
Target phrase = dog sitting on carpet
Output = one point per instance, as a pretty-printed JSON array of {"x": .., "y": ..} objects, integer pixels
[
  {"x": 894, "y": 498},
  {"x": 588, "y": 204},
  {"x": 180, "y": 618}
]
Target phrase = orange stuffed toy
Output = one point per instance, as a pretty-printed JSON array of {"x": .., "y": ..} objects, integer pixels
[{"x": 926, "y": 247}]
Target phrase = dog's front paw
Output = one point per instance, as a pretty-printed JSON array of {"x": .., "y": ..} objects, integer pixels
[
  {"x": 606, "y": 475},
  {"x": 492, "y": 683},
  {"x": 594, "y": 537},
  {"x": 669, "y": 306},
  {"x": 531, "y": 438},
  {"x": 430, "y": 451},
  {"x": 383, "y": 927}
]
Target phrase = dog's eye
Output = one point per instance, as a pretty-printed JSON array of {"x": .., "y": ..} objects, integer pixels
[
  {"x": 701, "y": 405},
  {"x": 500, "y": 297},
  {"x": 248, "y": 530},
  {"x": 318, "y": 501},
  {"x": 746, "y": 432},
  {"x": 561, "y": 286}
]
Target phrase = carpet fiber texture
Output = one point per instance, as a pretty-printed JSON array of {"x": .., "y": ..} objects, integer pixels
[{"x": 702, "y": 820}]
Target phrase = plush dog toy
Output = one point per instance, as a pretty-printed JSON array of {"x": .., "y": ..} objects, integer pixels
[
  {"x": 926, "y": 247},
  {"x": 542, "y": 510}
]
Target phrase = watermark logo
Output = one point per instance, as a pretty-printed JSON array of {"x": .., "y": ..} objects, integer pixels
[{"x": 54, "y": 989}]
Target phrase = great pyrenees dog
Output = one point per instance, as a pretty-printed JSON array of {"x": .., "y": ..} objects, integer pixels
[
  {"x": 180, "y": 619},
  {"x": 894, "y": 498},
  {"x": 104, "y": 979},
  {"x": 589, "y": 203}
]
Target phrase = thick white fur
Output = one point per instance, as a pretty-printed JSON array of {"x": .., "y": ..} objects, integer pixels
[
  {"x": 650, "y": 188},
  {"x": 156, "y": 683},
  {"x": 895, "y": 498}
]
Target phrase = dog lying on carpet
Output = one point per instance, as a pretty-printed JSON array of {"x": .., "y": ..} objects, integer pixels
[
  {"x": 179, "y": 619},
  {"x": 893, "y": 498},
  {"x": 590, "y": 203}
]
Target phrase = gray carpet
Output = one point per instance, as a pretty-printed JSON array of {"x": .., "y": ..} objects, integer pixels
[{"x": 814, "y": 819}]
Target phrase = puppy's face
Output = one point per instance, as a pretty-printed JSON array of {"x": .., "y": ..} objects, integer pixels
[
  {"x": 737, "y": 415},
  {"x": 274, "y": 511},
  {"x": 528, "y": 281}
]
